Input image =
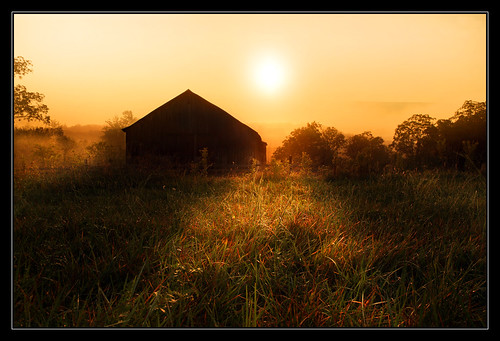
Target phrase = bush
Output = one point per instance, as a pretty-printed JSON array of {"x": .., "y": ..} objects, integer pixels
[{"x": 278, "y": 169}]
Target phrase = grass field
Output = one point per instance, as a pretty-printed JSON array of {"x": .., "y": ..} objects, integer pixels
[{"x": 122, "y": 248}]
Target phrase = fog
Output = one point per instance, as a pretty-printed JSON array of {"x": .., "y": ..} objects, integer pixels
[{"x": 38, "y": 148}]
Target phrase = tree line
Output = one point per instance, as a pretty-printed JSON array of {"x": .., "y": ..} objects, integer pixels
[
  {"x": 49, "y": 147},
  {"x": 420, "y": 142}
]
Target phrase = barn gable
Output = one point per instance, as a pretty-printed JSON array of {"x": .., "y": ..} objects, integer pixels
[{"x": 180, "y": 128}]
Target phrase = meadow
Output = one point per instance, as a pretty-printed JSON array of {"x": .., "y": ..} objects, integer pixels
[{"x": 124, "y": 247}]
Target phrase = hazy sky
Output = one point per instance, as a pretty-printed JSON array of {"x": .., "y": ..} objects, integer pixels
[{"x": 355, "y": 72}]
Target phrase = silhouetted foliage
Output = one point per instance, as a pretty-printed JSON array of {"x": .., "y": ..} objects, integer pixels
[
  {"x": 39, "y": 131},
  {"x": 321, "y": 145},
  {"x": 464, "y": 137},
  {"x": 366, "y": 154},
  {"x": 414, "y": 141},
  {"x": 313, "y": 147},
  {"x": 420, "y": 142},
  {"x": 28, "y": 105},
  {"x": 22, "y": 66},
  {"x": 111, "y": 148},
  {"x": 458, "y": 142},
  {"x": 335, "y": 141}
]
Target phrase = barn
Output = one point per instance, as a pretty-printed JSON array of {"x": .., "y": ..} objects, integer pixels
[{"x": 177, "y": 131}]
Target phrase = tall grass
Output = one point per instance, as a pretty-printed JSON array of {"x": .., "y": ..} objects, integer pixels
[{"x": 129, "y": 248}]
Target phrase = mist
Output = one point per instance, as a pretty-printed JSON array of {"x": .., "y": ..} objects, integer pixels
[{"x": 40, "y": 148}]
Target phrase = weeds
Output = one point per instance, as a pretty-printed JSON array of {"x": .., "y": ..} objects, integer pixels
[{"x": 125, "y": 248}]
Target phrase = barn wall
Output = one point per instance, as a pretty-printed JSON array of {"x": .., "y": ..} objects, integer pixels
[
  {"x": 180, "y": 128},
  {"x": 184, "y": 148}
]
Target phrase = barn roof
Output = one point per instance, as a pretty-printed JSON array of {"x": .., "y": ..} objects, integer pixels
[{"x": 186, "y": 102}]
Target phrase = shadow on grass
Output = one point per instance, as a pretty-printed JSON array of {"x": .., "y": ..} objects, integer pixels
[
  {"x": 85, "y": 234},
  {"x": 137, "y": 248}
]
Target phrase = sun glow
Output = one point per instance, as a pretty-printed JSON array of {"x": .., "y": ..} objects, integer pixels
[
  {"x": 355, "y": 72},
  {"x": 269, "y": 75}
]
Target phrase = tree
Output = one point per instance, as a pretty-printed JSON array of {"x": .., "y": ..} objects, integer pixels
[
  {"x": 111, "y": 148},
  {"x": 28, "y": 105},
  {"x": 413, "y": 139},
  {"x": 471, "y": 109},
  {"x": 335, "y": 141},
  {"x": 462, "y": 138},
  {"x": 113, "y": 134},
  {"x": 22, "y": 66},
  {"x": 366, "y": 153},
  {"x": 320, "y": 145},
  {"x": 459, "y": 141}
]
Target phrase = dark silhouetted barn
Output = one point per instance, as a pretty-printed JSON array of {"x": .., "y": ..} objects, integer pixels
[{"x": 176, "y": 132}]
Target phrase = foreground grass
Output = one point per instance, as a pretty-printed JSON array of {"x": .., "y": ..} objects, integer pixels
[{"x": 132, "y": 249}]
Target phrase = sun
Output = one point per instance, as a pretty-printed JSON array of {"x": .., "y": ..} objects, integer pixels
[{"x": 269, "y": 75}]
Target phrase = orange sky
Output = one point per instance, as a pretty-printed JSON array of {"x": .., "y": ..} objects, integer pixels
[{"x": 355, "y": 72}]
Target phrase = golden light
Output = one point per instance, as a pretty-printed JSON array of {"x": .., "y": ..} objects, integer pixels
[{"x": 269, "y": 74}]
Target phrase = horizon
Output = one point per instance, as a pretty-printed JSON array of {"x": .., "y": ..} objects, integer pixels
[{"x": 355, "y": 72}]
